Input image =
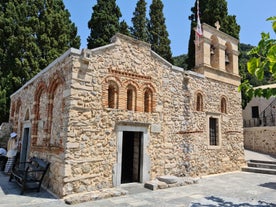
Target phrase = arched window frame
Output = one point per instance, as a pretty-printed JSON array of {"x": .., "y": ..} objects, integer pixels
[
  {"x": 131, "y": 98},
  {"x": 57, "y": 81},
  {"x": 228, "y": 57},
  {"x": 148, "y": 100},
  {"x": 223, "y": 105},
  {"x": 199, "y": 102},
  {"x": 214, "y": 52},
  {"x": 113, "y": 95}
]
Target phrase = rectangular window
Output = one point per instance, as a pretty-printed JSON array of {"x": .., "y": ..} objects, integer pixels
[
  {"x": 213, "y": 131},
  {"x": 255, "y": 111}
]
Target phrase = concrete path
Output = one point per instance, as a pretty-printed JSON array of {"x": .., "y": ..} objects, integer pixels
[
  {"x": 251, "y": 155},
  {"x": 237, "y": 189}
]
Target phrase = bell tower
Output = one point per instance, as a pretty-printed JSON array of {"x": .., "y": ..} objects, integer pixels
[{"x": 216, "y": 55}]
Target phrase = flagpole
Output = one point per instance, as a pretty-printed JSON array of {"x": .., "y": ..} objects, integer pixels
[{"x": 198, "y": 27}]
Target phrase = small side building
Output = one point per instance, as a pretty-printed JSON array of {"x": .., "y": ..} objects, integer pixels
[
  {"x": 259, "y": 121},
  {"x": 120, "y": 113}
]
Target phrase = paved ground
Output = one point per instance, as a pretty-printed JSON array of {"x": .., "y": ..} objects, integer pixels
[
  {"x": 237, "y": 189},
  {"x": 258, "y": 156}
]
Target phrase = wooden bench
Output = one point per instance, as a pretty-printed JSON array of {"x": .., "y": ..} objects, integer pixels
[
  {"x": 29, "y": 175},
  {"x": 3, "y": 161}
]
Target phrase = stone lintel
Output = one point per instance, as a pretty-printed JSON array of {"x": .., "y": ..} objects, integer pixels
[{"x": 132, "y": 123}]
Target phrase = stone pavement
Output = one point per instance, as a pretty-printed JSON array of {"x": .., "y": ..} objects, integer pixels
[
  {"x": 258, "y": 156},
  {"x": 237, "y": 189}
]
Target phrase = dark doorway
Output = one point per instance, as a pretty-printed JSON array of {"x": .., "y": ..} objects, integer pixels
[{"x": 131, "y": 157}]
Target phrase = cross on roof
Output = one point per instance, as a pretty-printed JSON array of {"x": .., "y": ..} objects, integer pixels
[{"x": 217, "y": 25}]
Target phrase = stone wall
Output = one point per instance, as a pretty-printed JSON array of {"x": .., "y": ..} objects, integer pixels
[
  {"x": 260, "y": 139},
  {"x": 42, "y": 105},
  {"x": 74, "y": 128}
]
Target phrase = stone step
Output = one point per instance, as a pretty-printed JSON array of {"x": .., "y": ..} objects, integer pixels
[
  {"x": 261, "y": 165},
  {"x": 259, "y": 170},
  {"x": 263, "y": 161}
]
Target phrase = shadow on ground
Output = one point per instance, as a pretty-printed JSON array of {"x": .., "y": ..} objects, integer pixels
[
  {"x": 271, "y": 185},
  {"x": 219, "y": 202},
  {"x": 11, "y": 188}
]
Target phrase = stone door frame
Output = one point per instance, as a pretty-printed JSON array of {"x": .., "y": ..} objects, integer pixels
[
  {"x": 145, "y": 159},
  {"x": 25, "y": 141}
]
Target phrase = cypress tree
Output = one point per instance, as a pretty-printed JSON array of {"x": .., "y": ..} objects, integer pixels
[
  {"x": 104, "y": 23},
  {"x": 159, "y": 37},
  {"x": 56, "y": 31},
  {"x": 139, "y": 21},
  {"x": 124, "y": 29},
  {"x": 211, "y": 11},
  {"x": 33, "y": 33}
]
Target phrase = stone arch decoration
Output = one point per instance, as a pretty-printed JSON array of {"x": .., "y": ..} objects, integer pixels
[
  {"x": 130, "y": 91},
  {"x": 113, "y": 95},
  {"x": 148, "y": 98},
  {"x": 13, "y": 105},
  {"x": 198, "y": 101},
  {"x": 114, "y": 79},
  {"x": 55, "y": 110},
  {"x": 223, "y": 104},
  {"x": 40, "y": 114},
  {"x": 110, "y": 92},
  {"x": 131, "y": 97},
  {"x": 214, "y": 52},
  {"x": 228, "y": 57},
  {"x": 16, "y": 124}
]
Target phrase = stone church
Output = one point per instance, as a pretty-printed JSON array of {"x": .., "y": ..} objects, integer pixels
[{"x": 121, "y": 113}]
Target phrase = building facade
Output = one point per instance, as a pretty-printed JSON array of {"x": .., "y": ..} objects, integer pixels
[
  {"x": 259, "y": 121},
  {"x": 120, "y": 113}
]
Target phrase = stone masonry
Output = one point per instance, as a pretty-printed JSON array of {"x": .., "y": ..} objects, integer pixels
[{"x": 88, "y": 107}]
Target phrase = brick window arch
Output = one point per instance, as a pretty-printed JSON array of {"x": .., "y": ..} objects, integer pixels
[
  {"x": 55, "y": 111},
  {"x": 223, "y": 105},
  {"x": 131, "y": 98},
  {"x": 199, "y": 101},
  {"x": 16, "y": 125},
  {"x": 113, "y": 95},
  {"x": 12, "y": 112},
  {"x": 148, "y": 96},
  {"x": 40, "y": 114}
]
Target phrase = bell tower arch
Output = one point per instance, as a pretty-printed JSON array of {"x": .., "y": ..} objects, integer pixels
[{"x": 216, "y": 55}]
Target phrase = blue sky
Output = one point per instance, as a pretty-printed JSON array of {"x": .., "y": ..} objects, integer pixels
[{"x": 251, "y": 15}]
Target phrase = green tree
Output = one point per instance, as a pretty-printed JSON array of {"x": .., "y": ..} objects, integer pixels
[
  {"x": 33, "y": 33},
  {"x": 158, "y": 35},
  {"x": 180, "y": 61},
  {"x": 210, "y": 12},
  {"x": 104, "y": 23},
  {"x": 139, "y": 21},
  {"x": 56, "y": 31},
  {"x": 262, "y": 64},
  {"x": 124, "y": 28}
]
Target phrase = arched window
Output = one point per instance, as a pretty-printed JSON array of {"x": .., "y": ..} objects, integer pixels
[
  {"x": 55, "y": 111},
  {"x": 147, "y": 100},
  {"x": 199, "y": 102},
  {"x": 223, "y": 105},
  {"x": 27, "y": 115},
  {"x": 228, "y": 58},
  {"x": 214, "y": 52},
  {"x": 131, "y": 98},
  {"x": 113, "y": 96}
]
